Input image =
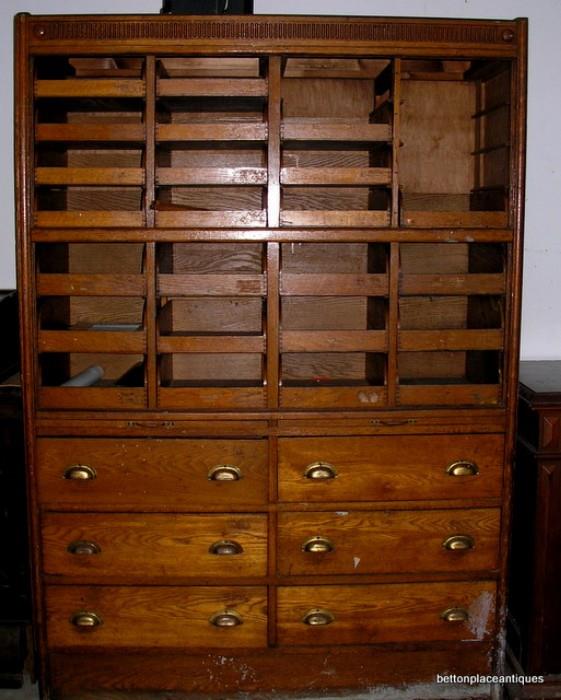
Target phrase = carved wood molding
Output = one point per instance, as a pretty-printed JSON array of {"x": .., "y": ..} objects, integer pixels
[{"x": 271, "y": 30}]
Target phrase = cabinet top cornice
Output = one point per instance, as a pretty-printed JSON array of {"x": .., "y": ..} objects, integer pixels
[{"x": 314, "y": 34}]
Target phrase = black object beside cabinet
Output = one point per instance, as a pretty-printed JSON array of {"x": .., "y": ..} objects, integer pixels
[
  {"x": 535, "y": 573},
  {"x": 14, "y": 589}
]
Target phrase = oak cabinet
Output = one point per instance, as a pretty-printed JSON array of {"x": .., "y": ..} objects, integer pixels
[{"x": 270, "y": 274}]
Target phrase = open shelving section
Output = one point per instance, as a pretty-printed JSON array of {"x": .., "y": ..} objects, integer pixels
[{"x": 295, "y": 232}]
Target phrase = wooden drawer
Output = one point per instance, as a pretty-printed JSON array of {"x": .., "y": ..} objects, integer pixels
[
  {"x": 386, "y": 613},
  {"x": 155, "y": 617},
  {"x": 101, "y": 548},
  {"x": 388, "y": 541},
  {"x": 390, "y": 468},
  {"x": 162, "y": 474}
]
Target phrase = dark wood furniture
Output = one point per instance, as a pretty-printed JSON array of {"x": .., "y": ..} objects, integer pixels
[
  {"x": 535, "y": 578},
  {"x": 15, "y": 607},
  {"x": 270, "y": 273}
]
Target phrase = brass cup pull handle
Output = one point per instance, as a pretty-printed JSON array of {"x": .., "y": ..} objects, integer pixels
[
  {"x": 80, "y": 472},
  {"x": 462, "y": 468},
  {"x": 86, "y": 620},
  {"x": 455, "y": 615},
  {"x": 225, "y": 472},
  {"x": 318, "y": 545},
  {"x": 226, "y": 618},
  {"x": 317, "y": 617},
  {"x": 82, "y": 547},
  {"x": 459, "y": 543},
  {"x": 225, "y": 548},
  {"x": 320, "y": 471}
]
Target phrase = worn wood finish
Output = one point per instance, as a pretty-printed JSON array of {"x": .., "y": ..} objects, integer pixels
[
  {"x": 389, "y": 468},
  {"x": 132, "y": 617},
  {"x": 139, "y": 548},
  {"x": 366, "y": 542},
  {"x": 157, "y": 471},
  {"x": 387, "y": 613},
  {"x": 254, "y": 245}
]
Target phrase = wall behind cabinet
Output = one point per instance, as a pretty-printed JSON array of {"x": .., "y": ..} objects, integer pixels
[{"x": 541, "y": 321}]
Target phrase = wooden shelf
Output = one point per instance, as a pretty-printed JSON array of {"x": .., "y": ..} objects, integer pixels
[
  {"x": 64, "y": 284},
  {"x": 89, "y": 219},
  {"x": 449, "y": 395},
  {"x": 472, "y": 339},
  {"x": 211, "y": 87},
  {"x": 211, "y": 285},
  {"x": 218, "y": 397},
  {"x": 211, "y": 176},
  {"x": 90, "y": 88},
  {"x": 92, "y": 341},
  {"x": 364, "y": 397},
  {"x": 209, "y": 219},
  {"x": 333, "y": 341},
  {"x": 333, "y": 285},
  {"x": 334, "y": 218},
  {"x": 78, "y": 398},
  {"x": 473, "y": 283},
  {"x": 354, "y": 177},
  {"x": 329, "y": 130},
  {"x": 459, "y": 219},
  {"x": 211, "y": 132},
  {"x": 90, "y": 132},
  {"x": 211, "y": 343},
  {"x": 89, "y": 176}
]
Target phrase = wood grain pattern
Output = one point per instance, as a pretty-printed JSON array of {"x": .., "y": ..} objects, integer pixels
[
  {"x": 386, "y": 613},
  {"x": 218, "y": 87},
  {"x": 133, "y": 617},
  {"x": 390, "y": 468},
  {"x": 151, "y": 471},
  {"x": 90, "y": 87},
  {"x": 391, "y": 541},
  {"x": 153, "y": 547}
]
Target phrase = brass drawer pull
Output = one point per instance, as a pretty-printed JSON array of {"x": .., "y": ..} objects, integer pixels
[
  {"x": 454, "y": 615},
  {"x": 318, "y": 617},
  {"x": 86, "y": 620},
  {"x": 458, "y": 543},
  {"x": 225, "y": 548},
  {"x": 320, "y": 471},
  {"x": 80, "y": 472},
  {"x": 318, "y": 545},
  {"x": 83, "y": 547},
  {"x": 225, "y": 472},
  {"x": 462, "y": 468},
  {"x": 226, "y": 618}
]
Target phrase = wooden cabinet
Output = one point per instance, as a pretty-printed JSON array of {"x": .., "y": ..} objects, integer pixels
[{"x": 270, "y": 275}]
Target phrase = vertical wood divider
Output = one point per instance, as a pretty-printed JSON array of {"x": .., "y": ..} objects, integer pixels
[
  {"x": 150, "y": 259},
  {"x": 393, "y": 322},
  {"x": 272, "y": 533},
  {"x": 393, "y": 299},
  {"x": 396, "y": 141},
  {"x": 273, "y": 221},
  {"x": 273, "y": 142}
]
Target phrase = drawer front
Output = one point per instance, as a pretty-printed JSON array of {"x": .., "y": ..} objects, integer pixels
[
  {"x": 417, "y": 612},
  {"x": 152, "y": 473},
  {"x": 388, "y": 541},
  {"x": 156, "y": 617},
  {"x": 390, "y": 468},
  {"x": 104, "y": 547}
]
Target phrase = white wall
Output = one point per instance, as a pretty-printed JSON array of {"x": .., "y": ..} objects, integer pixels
[{"x": 541, "y": 319}]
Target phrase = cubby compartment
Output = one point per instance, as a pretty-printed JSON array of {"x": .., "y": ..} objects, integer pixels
[
  {"x": 451, "y": 323},
  {"x": 89, "y": 141},
  {"x": 454, "y": 157},
  {"x": 211, "y": 324},
  {"x": 211, "y": 133},
  {"x": 336, "y": 134},
  {"x": 334, "y": 326},
  {"x": 91, "y": 334}
]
